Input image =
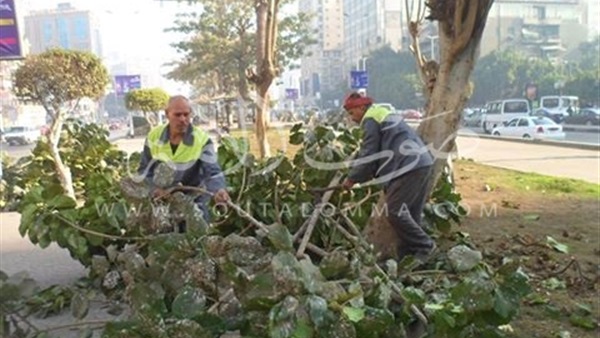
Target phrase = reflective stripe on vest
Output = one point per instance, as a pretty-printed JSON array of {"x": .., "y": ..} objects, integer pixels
[
  {"x": 377, "y": 113},
  {"x": 184, "y": 154}
]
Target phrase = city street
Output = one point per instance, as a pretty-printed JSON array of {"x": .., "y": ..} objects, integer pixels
[
  {"x": 527, "y": 157},
  {"x": 543, "y": 159},
  {"x": 16, "y": 152},
  {"x": 570, "y": 136}
]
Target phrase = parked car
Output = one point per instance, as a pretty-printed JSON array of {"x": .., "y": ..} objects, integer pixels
[
  {"x": 473, "y": 118},
  {"x": 387, "y": 106},
  {"x": 586, "y": 116},
  {"x": 531, "y": 127},
  {"x": 22, "y": 135},
  {"x": 556, "y": 117},
  {"x": 411, "y": 114}
]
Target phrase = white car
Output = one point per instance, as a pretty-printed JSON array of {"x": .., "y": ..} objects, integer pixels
[
  {"x": 387, "y": 106},
  {"x": 532, "y": 128},
  {"x": 21, "y": 135}
]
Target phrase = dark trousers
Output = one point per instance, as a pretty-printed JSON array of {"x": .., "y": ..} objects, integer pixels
[{"x": 406, "y": 197}]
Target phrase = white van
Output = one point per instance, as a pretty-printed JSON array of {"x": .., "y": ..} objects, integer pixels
[
  {"x": 498, "y": 112},
  {"x": 559, "y": 105},
  {"x": 21, "y": 135}
]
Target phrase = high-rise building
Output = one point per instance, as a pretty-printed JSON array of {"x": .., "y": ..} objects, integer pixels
[
  {"x": 592, "y": 17},
  {"x": 62, "y": 27},
  {"x": 322, "y": 66},
  {"x": 369, "y": 25},
  {"x": 541, "y": 28}
]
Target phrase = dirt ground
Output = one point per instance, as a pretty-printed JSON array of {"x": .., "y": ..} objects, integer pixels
[
  {"x": 514, "y": 217},
  {"x": 511, "y": 215}
]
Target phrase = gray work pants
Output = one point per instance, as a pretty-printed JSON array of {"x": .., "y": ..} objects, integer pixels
[{"x": 406, "y": 197}]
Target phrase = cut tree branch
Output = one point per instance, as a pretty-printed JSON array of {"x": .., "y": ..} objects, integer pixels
[
  {"x": 315, "y": 215},
  {"x": 463, "y": 36}
]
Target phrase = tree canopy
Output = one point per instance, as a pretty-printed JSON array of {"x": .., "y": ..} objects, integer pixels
[
  {"x": 57, "y": 79},
  {"x": 505, "y": 74},
  {"x": 222, "y": 46},
  {"x": 146, "y": 100},
  {"x": 392, "y": 78},
  {"x": 58, "y": 76}
]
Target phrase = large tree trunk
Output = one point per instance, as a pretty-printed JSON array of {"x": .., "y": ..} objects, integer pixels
[
  {"x": 446, "y": 103},
  {"x": 461, "y": 25},
  {"x": 446, "y": 88},
  {"x": 64, "y": 173},
  {"x": 261, "y": 122},
  {"x": 266, "y": 35}
]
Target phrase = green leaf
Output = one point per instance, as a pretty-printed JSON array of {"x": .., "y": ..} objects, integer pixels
[
  {"x": 303, "y": 330},
  {"x": 463, "y": 258},
  {"x": 44, "y": 241},
  {"x": 297, "y": 138},
  {"x": 189, "y": 303},
  {"x": 585, "y": 322},
  {"x": 148, "y": 300},
  {"x": 414, "y": 295},
  {"x": 62, "y": 202},
  {"x": 536, "y": 299},
  {"x": 335, "y": 265},
  {"x": 317, "y": 309},
  {"x": 353, "y": 314},
  {"x": 503, "y": 306},
  {"x": 531, "y": 217},
  {"x": 583, "y": 309},
  {"x": 554, "y": 283},
  {"x": 433, "y": 307},
  {"x": 295, "y": 128},
  {"x": 80, "y": 306},
  {"x": 280, "y": 237},
  {"x": 375, "y": 322},
  {"x": 28, "y": 215},
  {"x": 554, "y": 244}
]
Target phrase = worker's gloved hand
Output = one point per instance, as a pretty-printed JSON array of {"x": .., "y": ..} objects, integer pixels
[
  {"x": 347, "y": 184},
  {"x": 221, "y": 196}
]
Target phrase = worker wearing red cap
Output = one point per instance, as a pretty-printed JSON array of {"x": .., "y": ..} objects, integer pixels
[{"x": 392, "y": 154}]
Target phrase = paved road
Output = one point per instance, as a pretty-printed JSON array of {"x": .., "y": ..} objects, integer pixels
[
  {"x": 571, "y": 136},
  {"x": 16, "y": 152},
  {"x": 523, "y": 156},
  {"x": 528, "y": 157}
]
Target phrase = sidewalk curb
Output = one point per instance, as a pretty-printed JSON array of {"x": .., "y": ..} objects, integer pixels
[
  {"x": 564, "y": 144},
  {"x": 581, "y": 129}
]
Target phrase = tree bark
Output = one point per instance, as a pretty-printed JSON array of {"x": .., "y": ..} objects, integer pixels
[
  {"x": 266, "y": 35},
  {"x": 260, "y": 123},
  {"x": 446, "y": 87},
  {"x": 447, "y": 101},
  {"x": 64, "y": 173}
]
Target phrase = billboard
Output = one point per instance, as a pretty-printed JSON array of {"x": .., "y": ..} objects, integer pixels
[
  {"x": 291, "y": 93},
  {"x": 125, "y": 83},
  {"x": 10, "y": 44}
]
